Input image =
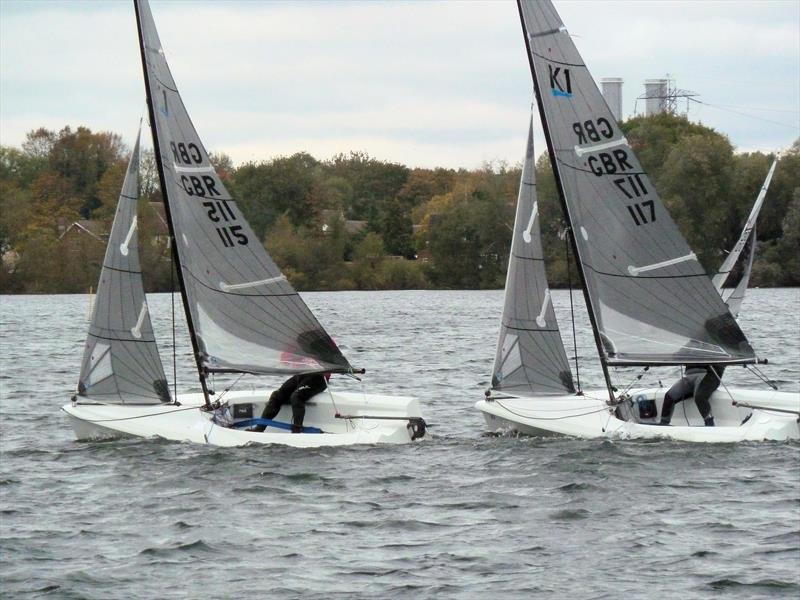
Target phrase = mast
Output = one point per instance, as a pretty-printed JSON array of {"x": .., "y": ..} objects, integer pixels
[
  {"x": 162, "y": 180},
  {"x": 565, "y": 207}
]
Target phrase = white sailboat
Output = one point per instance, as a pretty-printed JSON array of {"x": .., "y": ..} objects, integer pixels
[
  {"x": 243, "y": 315},
  {"x": 733, "y": 276},
  {"x": 649, "y": 301}
]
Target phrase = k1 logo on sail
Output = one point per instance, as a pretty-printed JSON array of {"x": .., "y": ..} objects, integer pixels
[{"x": 560, "y": 83}]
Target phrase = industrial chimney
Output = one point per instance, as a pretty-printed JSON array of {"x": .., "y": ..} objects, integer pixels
[
  {"x": 612, "y": 92},
  {"x": 655, "y": 93}
]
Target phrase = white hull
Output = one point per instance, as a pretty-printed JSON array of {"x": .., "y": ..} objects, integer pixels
[
  {"x": 589, "y": 417},
  {"x": 187, "y": 422}
]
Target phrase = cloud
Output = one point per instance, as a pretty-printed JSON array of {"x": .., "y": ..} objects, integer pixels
[{"x": 423, "y": 83}]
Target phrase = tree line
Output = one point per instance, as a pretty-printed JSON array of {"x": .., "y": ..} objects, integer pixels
[{"x": 357, "y": 222}]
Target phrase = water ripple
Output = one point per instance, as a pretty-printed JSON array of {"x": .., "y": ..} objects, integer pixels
[{"x": 461, "y": 515}]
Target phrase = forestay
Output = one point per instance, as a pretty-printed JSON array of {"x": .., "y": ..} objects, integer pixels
[
  {"x": 733, "y": 277},
  {"x": 530, "y": 357},
  {"x": 651, "y": 300},
  {"x": 246, "y": 316},
  {"x": 120, "y": 362}
]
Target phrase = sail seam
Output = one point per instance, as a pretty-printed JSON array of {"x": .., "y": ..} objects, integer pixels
[
  {"x": 560, "y": 62},
  {"x": 121, "y": 339},
  {"x": 547, "y": 329},
  {"x": 536, "y": 258},
  {"x": 571, "y": 151},
  {"x": 118, "y": 270},
  {"x": 162, "y": 84}
]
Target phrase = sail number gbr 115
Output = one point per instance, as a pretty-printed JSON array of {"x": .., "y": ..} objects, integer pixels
[{"x": 218, "y": 211}]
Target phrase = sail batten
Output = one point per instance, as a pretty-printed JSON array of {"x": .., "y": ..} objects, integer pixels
[
  {"x": 121, "y": 364},
  {"x": 649, "y": 298},
  {"x": 530, "y": 356},
  {"x": 243, "y": 313}
]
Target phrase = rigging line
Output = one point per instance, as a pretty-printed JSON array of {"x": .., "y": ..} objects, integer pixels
[
  {"x": 604, "y": 428},
  {"x": 761, "y": 376},
  {"x": 230, "y": 387},
  {"x": 781, "y": 110},
  {"x": 330, "y": 395},
  {"x": 591, "y": 412},
  {"x": 158, "y": 414},
  {"x": 572, "y": 311},
  {"x": 683, "y": 402},
  {"x": 744, "y": 114},
  {"x": 172, "y": 299},
  {"x": 719, "y": 377},
  {"x": 635, "y": 379},
  {"x": 686, "y": 416}
]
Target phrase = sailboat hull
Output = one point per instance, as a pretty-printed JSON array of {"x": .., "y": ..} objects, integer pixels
[
  {"x": 364, "y": 419},
  {"x": 758, "y": 415}
]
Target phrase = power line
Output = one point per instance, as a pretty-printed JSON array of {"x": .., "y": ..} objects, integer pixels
[{"x": 744, "y": 114}]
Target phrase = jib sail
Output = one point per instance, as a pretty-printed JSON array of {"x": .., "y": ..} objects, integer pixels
[
  {"x": 530, "y": 357},
  {"x": 121, "y": 364}
]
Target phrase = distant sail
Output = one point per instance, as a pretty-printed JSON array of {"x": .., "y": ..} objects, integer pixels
[
  {"x": 121, "y": 364},
  {"x": 246, "y": 315},
  {"x": 739, "y": 277},
  {"x": 530, "y": 356},
  {"x": 651, "y": 301},
  {"x": 734, "y": 275}
]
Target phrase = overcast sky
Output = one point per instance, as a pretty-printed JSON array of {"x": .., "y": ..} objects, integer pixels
[{"x": 421, "y": 83}]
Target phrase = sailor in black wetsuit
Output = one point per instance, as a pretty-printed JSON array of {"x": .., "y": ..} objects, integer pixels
[
  {"x": 699, "y": 381},
  {"x": 295, "y": 390}
]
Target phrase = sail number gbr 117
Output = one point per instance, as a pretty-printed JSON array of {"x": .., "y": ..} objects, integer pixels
[
  {"x": 218, "y": 211},
  {"x": 615, "y": 162}
]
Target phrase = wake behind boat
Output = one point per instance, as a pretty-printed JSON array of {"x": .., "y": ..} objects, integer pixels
[
  {"x": 243, "y": 316},
  {"x": 649, "y": 301}
]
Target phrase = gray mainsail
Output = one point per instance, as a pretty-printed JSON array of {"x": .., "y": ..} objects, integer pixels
[
  {"x": 530, "y": 357},
  {"x": 243, "y": 314},
  {"x": 121, "y": 364},
  {"x": 734, "y": 275},
  {"x": 649, "y": 298}
]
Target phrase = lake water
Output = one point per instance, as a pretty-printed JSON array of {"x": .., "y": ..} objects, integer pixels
[{"x": 459, "y": 515}]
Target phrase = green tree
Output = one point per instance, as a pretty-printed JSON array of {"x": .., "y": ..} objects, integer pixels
[
  {"x": 369, "y": 256},
  {"x": 654, "y": 137},
  {"x": 696, "y": 188},
  {"x": 82, "y": 158},
  {"x": 269, "y": 189},
  {"x": 423, "y": 184},
  {"x": 781, "y": 194},
  {"x": 394, "y": 225},
  {"x": 373, "y": 183},
  {"x": 467, "y": 231}
]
